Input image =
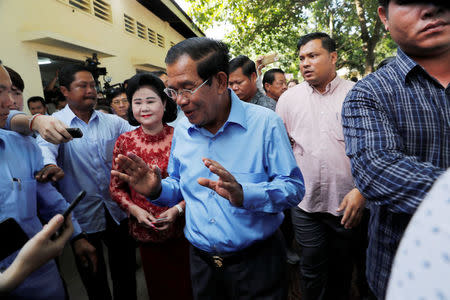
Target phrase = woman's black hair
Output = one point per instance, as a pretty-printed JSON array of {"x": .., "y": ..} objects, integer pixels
[{"x": 156, "y": 84}]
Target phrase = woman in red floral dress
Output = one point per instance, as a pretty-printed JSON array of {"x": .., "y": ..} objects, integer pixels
[{"x": 164, "y": 250}]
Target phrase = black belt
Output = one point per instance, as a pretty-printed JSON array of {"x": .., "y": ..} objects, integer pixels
[{"x": 219, "y": 260}]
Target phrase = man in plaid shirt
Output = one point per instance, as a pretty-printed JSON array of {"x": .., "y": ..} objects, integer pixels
[{"x": 397, "y": 126}]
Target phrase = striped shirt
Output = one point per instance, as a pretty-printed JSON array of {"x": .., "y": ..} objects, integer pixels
[{"x": 397, "y": 132}]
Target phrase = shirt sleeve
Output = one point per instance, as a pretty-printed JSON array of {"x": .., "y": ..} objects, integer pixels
[
  {"x": 383, "y": 171},
  {"x": 119, "y": 189},
  {"x": 49, "y": 151},
  {"x": 170, "y": 192},
  {"x": 49, "y": 201},
  {"x": 11, "y": 114},
  {"x": 284, "y": 187}
]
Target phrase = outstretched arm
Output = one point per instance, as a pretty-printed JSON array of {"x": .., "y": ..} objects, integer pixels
[
  {"x": 50, "y": 128},
  {"x": 36, "y": 252}
]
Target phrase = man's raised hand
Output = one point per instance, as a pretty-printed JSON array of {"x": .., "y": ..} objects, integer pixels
[
  {"x": 144, "y": 179},
  {"x": 226, "y": 186}
]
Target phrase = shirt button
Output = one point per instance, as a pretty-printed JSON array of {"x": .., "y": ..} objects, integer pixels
[
  {"x": 212, "y": 220},
  {"x": 212, "y": 193}
]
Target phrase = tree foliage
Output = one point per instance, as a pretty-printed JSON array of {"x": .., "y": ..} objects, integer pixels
[{"x": 265, "y": 26}]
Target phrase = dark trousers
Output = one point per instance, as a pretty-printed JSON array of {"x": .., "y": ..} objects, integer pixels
[
  {"x": 256, "y": 273},
  {"x": 326, "y": 259},
  {"x": 122, "y": 263}
]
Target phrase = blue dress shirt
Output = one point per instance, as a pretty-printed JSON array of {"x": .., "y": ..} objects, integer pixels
[
  {"x": 86, "y": 163},
  {"x": 397, "y": 133},
  {"x": 20, "y": 198},
  {"x": 253, "y": 146}
]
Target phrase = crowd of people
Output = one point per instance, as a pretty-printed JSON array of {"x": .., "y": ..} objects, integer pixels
[{"x": 219, "y": 173}]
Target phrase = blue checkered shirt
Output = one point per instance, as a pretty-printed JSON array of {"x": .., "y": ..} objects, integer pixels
[{"x": 397, "y": 133}]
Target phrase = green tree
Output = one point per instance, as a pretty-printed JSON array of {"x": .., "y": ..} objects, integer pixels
[{"x": 264, "y": 26}]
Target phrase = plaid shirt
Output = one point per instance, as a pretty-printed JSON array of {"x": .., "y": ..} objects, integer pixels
[{"x": 397, "y": 132}]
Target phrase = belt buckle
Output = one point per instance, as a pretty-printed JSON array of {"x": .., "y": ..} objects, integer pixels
[{"x": 218, "y": 261}]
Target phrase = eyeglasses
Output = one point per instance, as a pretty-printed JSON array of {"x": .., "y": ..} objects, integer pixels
[
  {"x": 117, "y": 102},
  {"x": 185, "y": 93}
]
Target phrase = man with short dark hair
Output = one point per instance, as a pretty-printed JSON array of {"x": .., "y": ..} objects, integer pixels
[
  {"x": 36, "y": 105},
  {"x": 21, "y": 198},
  {"x": 242, "y": 81},
  {"x": 326, "y": 221},
  {"x": 86, "y": 162},
  {"x": 397, "y": 127},
  {"x": 234, "y": 194},
  {"x": 274, "y": 83}
]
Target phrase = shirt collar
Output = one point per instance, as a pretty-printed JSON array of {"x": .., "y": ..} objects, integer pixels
[
  {"x": 255, "y": 98},
  {"x": 405, "y": 64},
  {"x": 69, "y": 115},
  {"x": 2, "y": 142},
  {"x": 236, "y": 116},
  {"x": 331, "y": 86}
]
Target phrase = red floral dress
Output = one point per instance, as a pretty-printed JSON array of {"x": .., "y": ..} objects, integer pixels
[{"x": 154, "y": 150}]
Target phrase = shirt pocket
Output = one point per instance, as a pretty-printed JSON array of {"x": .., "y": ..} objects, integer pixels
[
  {"x": 106, "y": 149},
  {"x": 244, "y": 178},
  {"x": 19, "y": 198},
  {"x": 336, "y": 131}
]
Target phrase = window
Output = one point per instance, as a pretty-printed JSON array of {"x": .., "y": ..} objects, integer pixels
[
  {"x": 102, "y": 10},
  {"x": 99, "y": 8},
  {"x": 151, "y": 36},
  {"x": 141, "y": 31},
  {"x": 160, "y": 39},
  {"x": 129, "y": 24}
]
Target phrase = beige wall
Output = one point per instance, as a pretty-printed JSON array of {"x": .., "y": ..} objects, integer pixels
[{"x": 54, "y": 27}]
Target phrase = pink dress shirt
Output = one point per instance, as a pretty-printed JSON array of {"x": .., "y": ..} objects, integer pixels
[{"x": 313, "y": 121}]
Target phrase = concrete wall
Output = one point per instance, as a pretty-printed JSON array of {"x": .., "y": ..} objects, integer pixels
[{"x": 57, "y": 28}]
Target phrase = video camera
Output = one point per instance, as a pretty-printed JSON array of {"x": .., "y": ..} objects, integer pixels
[{"x": 92, "y": 65}]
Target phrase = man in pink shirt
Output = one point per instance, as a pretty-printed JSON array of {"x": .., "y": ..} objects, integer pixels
[{"x": 326, "y": 221}]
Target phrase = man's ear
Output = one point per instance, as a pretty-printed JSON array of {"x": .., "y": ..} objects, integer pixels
[
  {"x": 266, "y": 86},
  {"x": 64, "y": 90},
  {"x": 333, "y": 57},
  {"x": 222, "y": 81},
  {"x": 253, "y": 77},
  {"x": 383, "y": 14}
]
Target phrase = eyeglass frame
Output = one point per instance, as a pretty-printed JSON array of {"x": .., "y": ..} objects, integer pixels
[{"x": 166, "y": 91}]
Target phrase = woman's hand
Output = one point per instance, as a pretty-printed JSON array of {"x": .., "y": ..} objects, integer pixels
[
  {"x": 144, "y": 217},
  {"x": 168, "y": 218}
]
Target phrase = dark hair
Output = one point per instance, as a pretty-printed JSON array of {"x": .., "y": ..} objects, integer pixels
[
  {"x": 67, "y": 74},
  {"x": 327, "y": 42},
  {"x": 105, "y": 108},
  {"x": 36, "y": 99},
  {"x": 113, "y": 93},
  {"x": 441, "y": 3},
  {"x": 242, "y": 61},
  {"x": 16, "y": 80},
  {"x": 293, "y": 80},
  {"x": 210, "y": 55},
  {"x": 156, "y": 84},
  {"x": 269, "y": 76},
  {"x": 158, "y": 73}
]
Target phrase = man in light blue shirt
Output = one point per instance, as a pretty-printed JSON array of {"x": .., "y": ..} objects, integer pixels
[
  {"x": 232, "y": 163},
  {"x": 21, "y": 197},
  {"x": 86, "y": 162}
]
